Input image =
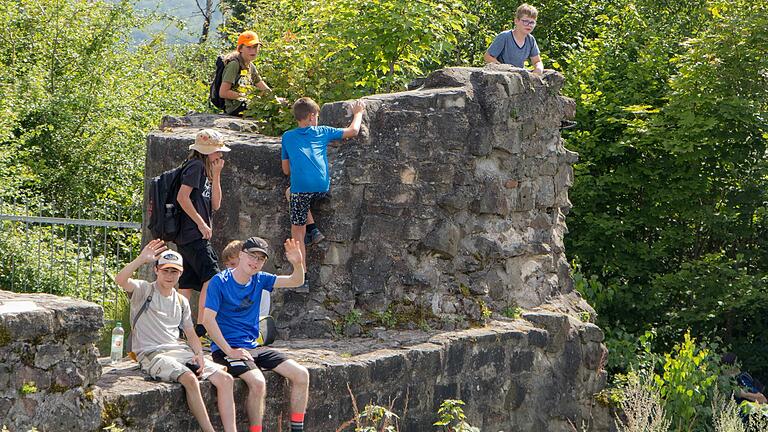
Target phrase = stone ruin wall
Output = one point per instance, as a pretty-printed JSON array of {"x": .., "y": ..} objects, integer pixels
[
  {"x": 452, "y": 200},
  {"x": 538, "y": 373}
]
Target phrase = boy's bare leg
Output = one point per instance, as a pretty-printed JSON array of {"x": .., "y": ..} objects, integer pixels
[
  {"x": 201, "y": 302},
  {"x": 225, "y": 399},
  {"x": 195, "y": 400},
  {"x": 257, "y": 389},
  {"x": 298, "y": 232},
  {"x": 298, "y": 375}
]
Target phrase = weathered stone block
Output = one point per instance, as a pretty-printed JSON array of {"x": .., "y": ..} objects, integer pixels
[{"x": 444, "y": 239}]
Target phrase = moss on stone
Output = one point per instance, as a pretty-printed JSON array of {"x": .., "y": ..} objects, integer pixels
[
  {"x": 5, "y": 336},
  {"x": 28, "y": 388},
  {"x": 112, "y": 411},
  {"x": 57, "y": 388}
]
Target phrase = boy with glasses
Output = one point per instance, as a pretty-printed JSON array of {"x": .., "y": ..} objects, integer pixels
[
  {"x": 232, "y": 320},
  {"x": 516, "y": 46}
]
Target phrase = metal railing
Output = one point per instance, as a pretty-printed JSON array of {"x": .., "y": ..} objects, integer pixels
[{"x": 74, "y": 252}]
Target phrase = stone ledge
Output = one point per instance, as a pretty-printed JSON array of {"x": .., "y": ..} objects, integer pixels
[
  {"x": 30, "y": 316},
  {"x": 505, "y": 372},
  {"x": 48, "y": 362}
]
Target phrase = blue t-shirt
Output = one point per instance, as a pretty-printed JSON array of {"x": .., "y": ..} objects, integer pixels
[
  {"x": 305, "y": 149},
  {"x": 507, "y": 51},
  {"x": 237, "y": 307}
]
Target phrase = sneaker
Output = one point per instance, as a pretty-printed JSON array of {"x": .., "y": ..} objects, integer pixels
[
  {"x": 567, "y": 124},
  {"x": 313, "y": 237}
]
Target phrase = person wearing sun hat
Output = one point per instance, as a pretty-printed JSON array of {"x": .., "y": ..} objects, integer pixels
[
  {"x": 199, "y": 196},
  {"x": 240, "y": 75}
]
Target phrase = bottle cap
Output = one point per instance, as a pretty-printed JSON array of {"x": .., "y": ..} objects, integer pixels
[{"x": 118, "y": 324}]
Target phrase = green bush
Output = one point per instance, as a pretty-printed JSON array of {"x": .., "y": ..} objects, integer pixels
[
  {"x": 78, "y": 98},
  {"x": 688, "y": 383},
  {"x": 452, "y": 418},
  {"x": 669, "y": 220}
]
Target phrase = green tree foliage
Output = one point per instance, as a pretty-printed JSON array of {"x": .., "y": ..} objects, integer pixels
[
  {"x": 671, "y": 190},
  {"x": 78, "y": 99},
  {"x": 335, "y": 50}
]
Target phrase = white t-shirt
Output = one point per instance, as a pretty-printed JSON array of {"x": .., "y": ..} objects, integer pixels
[
  {"x": 266, "y": 298},
  {"x": 158, "y": 325}
]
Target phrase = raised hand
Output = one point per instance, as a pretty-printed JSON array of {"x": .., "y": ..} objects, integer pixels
[
  {"x": 152, "y": 250},
  {"x": 293, "y": 252},
  {"x": 357, "y": 106}
]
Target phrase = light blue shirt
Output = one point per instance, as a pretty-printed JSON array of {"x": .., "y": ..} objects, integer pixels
[
  {"x": 306, "y": 150},
  {"x": 507, "y": 51}
]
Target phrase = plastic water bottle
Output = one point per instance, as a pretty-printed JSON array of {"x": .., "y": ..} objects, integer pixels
[{"x": 117, "y": 343}]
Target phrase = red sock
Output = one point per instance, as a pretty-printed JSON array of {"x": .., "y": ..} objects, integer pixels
[
  {"x": 297, "y": 417},
  {"x": 256, "y": 428}
]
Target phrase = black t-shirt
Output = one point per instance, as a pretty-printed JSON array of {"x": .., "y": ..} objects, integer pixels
[{"x": 193, "y": 175}]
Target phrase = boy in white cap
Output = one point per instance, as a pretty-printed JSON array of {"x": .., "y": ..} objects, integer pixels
[
  {"x": 199, "y": 196},
  {"x": 157, "y": 311}
]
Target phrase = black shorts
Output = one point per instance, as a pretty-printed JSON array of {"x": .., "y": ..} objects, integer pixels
[
  {"x": 300, "y": 204},
  {"x": 200, "y": 264},
  {"x": 263, "y": 358}
]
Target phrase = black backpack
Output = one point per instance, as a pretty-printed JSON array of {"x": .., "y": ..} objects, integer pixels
[
  {"x": 214, "y": 97},
  {"x": 163, "y": 211}
]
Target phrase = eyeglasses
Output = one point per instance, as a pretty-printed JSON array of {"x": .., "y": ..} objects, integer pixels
[
  {"x": 528, "y": 22},
  {"x": 257, "y": 258}
]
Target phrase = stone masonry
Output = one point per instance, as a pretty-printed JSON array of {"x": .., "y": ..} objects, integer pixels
[
  {"x": 48, "y": 362},
  {"x": 447, "y": 215},
  {"x": 534, "y": 374},
  {"x": 537, "y": 373},
  {"x": 449, "y": 205}
]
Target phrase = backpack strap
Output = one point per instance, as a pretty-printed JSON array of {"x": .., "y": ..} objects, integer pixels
[
  {"x": 143, "y": 307},
  {"x": 176, "y": 184},
  {"x": 181, "y": 303}
]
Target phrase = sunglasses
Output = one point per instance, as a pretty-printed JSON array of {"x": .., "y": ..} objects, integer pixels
[{"x": 528, "y": 22}]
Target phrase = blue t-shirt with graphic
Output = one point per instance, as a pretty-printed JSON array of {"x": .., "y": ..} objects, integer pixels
[
  {"x": 237, "y": 306},
  {"x": 305, "y": 149},
  {"x": 506, "y": 50}
]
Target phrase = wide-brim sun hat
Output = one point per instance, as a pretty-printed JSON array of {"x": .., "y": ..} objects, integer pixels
[{"x": 209, "y": 141}]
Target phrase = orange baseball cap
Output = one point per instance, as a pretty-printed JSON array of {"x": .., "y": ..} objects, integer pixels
[{"x": 248, "y": 38}]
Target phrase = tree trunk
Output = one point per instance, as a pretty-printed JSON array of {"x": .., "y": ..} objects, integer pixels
[{"x": 207, "y": 15}]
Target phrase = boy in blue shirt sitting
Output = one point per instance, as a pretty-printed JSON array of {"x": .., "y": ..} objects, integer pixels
[
  {"x": 232, "y": 309},
  {"x": 305, "y": 159}
]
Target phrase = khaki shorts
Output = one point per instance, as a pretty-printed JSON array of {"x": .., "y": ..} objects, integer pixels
[{"x": 169, "y": 365}]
